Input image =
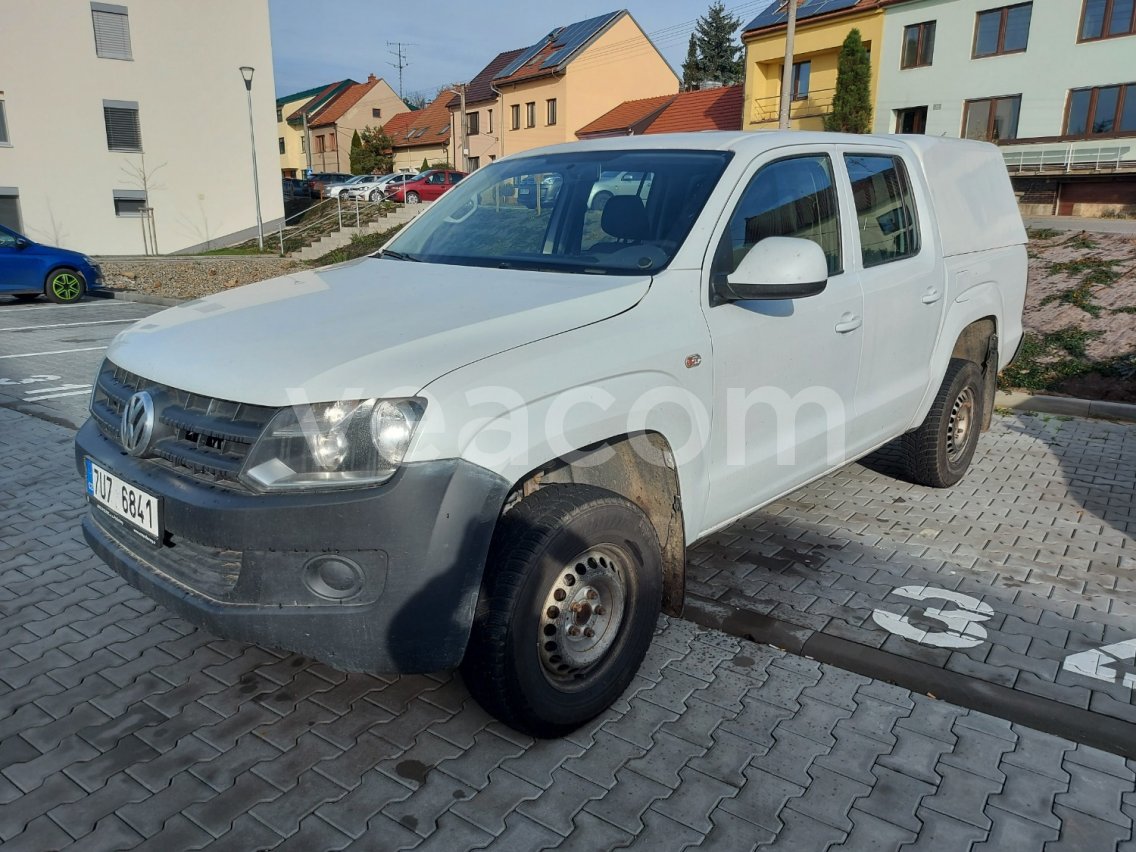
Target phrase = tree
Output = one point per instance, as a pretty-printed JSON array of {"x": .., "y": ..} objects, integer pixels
[
  {"x": 425, "y": 164},
  {"x": 373, "y": 156},
  {"x": 717, "y": 56},
  {"x": 852, "y": 100},
  {"x": 692, "y": 75},
  {"x": 356, "y": 149}
]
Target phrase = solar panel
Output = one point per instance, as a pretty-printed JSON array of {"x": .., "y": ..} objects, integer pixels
[
  {"x": 777, "y": 12},
  {"x": 569, "y": 39}
]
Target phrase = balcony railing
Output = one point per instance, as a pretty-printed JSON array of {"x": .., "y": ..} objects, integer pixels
[
  {"x": 818, "y": 102},
  {"x": 1069, "y": 158}
]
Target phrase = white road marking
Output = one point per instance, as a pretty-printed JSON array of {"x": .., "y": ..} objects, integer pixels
[
  {"x": 68, "y": 324},
  {"x": 53, "y": 352},
  {"x": 1098, "y": 663},
  {"x": 962, "y": 629},
  {"x": 85, "y": 390},
  {"x": 35, "y": 391}
]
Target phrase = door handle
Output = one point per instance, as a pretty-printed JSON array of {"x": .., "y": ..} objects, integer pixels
[
  {"x": 931, "y": 296},
  {"x": 849, "y": 322}
]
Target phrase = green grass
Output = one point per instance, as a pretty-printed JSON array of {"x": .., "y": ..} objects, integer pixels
[
  {"x": 1093, "y": 271},
  {"x": 1080, "y": 296},
  {"x": 1080, "y": 241},
  {"x": 1042, "y": 233},
  {"x": 360, "y": 246},
  {"x": 243, "y": 250},
  {"x": 1044, "y": 361}
]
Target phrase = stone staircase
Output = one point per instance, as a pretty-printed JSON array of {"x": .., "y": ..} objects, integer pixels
[{"x": 340, "y": 238}]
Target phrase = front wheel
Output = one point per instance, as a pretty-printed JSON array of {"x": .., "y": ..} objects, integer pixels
[
  {"x": 568, "y": 606},
  {"x": 939, "y": 451},
  {"x": 375, "y": 195},
  {"x": 412, "y": 198},
  {"x": 64, "y": 286}
]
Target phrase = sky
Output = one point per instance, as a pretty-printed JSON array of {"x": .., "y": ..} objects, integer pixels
[{"x": 314, "y": 44}]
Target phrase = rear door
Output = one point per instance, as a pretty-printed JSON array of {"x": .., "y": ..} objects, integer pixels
[{"x": 901, "y": 273}]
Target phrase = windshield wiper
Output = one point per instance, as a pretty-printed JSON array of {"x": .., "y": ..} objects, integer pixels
[{"x": 397, "y": 255}]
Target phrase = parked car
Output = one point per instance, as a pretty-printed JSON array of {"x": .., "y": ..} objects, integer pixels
[
  {"x": 296, "y": 188},
  {"x": 612, "y": 183},
  {"x": 546, "y": 410},
  {"x": 321, "y": 180},
  {"x": 549, "y": 188},
  {"x": 29, "y": 269},
  {"x": 334, "y": 190},
  {"x": 371, "y": 189},
  {"x": 396, "y": 180},
  {"x": 428, "y": 186}
]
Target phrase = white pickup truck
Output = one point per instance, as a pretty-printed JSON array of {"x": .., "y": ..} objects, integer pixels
[{"x": 490, "y": 444}]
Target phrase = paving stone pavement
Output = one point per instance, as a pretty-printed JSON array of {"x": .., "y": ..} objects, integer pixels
[
  {"x": 123, "y": 727},
  {"x": 1042, "y": 530}
]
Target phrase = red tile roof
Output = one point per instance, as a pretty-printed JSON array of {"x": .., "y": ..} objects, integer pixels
[
  {"x": 428, "y": 126},
  {"x": 626, "y": 118},
  {"x": 334, "y": 109},
  {"x": 480, "y": 89},
  {"x": 319, "y": 100},
  {"x": 707, "y": 109}
]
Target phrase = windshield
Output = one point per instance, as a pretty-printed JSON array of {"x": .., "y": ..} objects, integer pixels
[{"x": 605, "y": 212}]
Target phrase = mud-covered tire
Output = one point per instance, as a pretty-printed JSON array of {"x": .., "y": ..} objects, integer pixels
[
  {"x": 939, "y": 451},
  {"x": 567, "y": 560}
]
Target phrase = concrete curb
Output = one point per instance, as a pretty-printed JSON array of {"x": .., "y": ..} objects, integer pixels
[
  {"x": 1066, "y": 405},
  {"x": 143, "y": 298}
]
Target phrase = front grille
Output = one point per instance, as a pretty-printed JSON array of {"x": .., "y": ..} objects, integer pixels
[{"x": 203, "y": 437}]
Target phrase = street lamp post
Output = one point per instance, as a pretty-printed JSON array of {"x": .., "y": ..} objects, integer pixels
[{"x": 246, "y": 73}]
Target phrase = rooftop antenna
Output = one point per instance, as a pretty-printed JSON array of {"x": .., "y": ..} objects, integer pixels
[{"x": 400, "y": 54}]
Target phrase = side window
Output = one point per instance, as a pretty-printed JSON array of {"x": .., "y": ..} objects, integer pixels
[
  {"x": 885, "y": 208},
  {"x": 789, "y": 198}
]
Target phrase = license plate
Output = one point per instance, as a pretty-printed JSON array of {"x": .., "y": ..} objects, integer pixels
[{"x": 132, "y": 505}]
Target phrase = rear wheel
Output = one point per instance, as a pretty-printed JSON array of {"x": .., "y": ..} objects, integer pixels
[
  {"x": 412, "y": 197},
  {"x": 64, "y": 285},
  {"x": 599, "y": 202},
  {"x": 571, "y": 596},
  {"x": 939, "y": 452}
]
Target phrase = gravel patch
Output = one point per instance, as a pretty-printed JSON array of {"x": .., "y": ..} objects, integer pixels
[{"x": 190, "y": 278}]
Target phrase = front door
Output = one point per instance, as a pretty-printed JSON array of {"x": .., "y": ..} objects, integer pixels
[
  {"x": 903, "y": 282},
  {"x": 784, "y": 370},
  {"x": 19, "y": 267}
]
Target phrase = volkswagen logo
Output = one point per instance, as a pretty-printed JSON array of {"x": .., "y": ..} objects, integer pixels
[{"x": 137, "y": 424}]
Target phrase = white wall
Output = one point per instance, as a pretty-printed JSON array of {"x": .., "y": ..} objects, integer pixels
[
  {"x": 1052, "y": 64},
  {"x": 192, "y": 108}
]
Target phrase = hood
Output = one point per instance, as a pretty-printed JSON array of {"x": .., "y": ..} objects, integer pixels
[{"x": 365, "y": 328}]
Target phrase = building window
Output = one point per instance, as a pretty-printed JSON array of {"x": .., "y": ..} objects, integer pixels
[
  {"x": 303, "y": 145},
  {"x": 992, "y": 119},
  {"x": 124, "y": 133},
  {"x": 319, "y": 145},
  {"x": 551, "y": 105},
  {"x": 376, "y": 112},
  {"x": 279, "y": 113},
  {"x": 112, "y": 31},
  {"x": 473, "y": 163},
  {"x": 1005, "y": 30},
  {"x": 472, "y": 123},
  {"x": 489, "y": 120},
  {"x": 918, "y": 45},
  {"x": 5, "y": 139},
  {"x": 802, "y": 71},
  {"x": 515, "y": 116},
  {"x": 911, "y": 120},
  {"x": 885, "y": 208},
  {"x": 331, "y": 141},
  {"x": 280, "y": 142},
  {"x": 1102, "y": 111},
  {"x": 10, "y": 208},
  {"x": 129, "y": 202},
  {"x": 1107, "y": 19},
  {"x": 530, "y": 114}
]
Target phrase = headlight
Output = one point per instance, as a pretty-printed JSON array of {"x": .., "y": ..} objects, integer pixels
[{"x": 333, "y": 445}]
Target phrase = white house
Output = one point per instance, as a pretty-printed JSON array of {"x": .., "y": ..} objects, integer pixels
[
  {"x": 108, "y": 111},
  {"x": 1053, "y": 82}
]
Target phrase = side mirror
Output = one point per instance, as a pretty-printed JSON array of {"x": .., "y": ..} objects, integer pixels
[
  {"x": 21, "y": 243},
  {"x": 776, "y": 268}
]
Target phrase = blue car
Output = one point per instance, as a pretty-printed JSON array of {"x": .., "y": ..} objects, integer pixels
[{"x": 28, "y": 270}]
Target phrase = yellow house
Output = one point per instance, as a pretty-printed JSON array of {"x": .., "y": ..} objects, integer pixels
[
  {"x": 573, "y": 76},
  {"x": 822, "y": 26},
  {"x": 290, "y": 137}
]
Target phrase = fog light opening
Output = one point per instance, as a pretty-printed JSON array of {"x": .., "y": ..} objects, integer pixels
[{"x": 333, "y": 577}]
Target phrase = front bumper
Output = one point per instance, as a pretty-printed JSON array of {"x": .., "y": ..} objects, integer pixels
[{"x": 252, "y": 567}]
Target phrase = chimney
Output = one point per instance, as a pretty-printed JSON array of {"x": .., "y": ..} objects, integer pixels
[{"x": 371, "y": 78}]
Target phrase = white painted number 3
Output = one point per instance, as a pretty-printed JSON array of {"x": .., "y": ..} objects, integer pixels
[{"x": 961, "y": 627}]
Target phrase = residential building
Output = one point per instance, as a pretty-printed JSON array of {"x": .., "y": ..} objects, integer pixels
[
  {"x": 135, "y": 131},
  {"x": 822, "y": 26},
  {"x": 482, "y": 114},
  {"x": 574, "y": 75},
  {"x": 292, "y": 129},
  {"x": 421, "y": 135},
  {"x": 332, "y": 126},
  {"x": 708, "y": 109},
  {"x": 1052, "y": 83}
]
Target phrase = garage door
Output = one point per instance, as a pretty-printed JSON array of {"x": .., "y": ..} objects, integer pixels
[{"x": 10, "y": 210}]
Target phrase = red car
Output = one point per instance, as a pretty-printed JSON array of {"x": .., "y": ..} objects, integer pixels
[{"x": 428, "y": 186}]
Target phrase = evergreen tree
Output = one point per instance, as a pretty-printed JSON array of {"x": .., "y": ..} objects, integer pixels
[
  {"x": 425, "y": 164},
  {"x": 719, "y": 54},
  {"x": 852, "y": 101},
  {"x": 373, "y": 156},
  {"x": 356, "y": 149},
  {"x": 692, "y": 74}
]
